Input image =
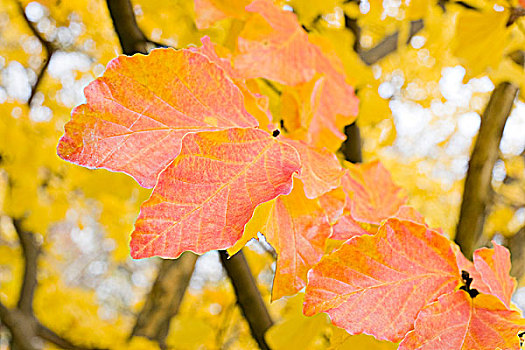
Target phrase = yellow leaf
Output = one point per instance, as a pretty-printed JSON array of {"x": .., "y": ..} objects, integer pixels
[{"x": 480, "y": 39}]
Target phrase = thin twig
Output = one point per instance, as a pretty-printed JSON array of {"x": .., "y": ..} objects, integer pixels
[
  {"x": 248, "y": 296},
  {"x": 48, "y": 46}
]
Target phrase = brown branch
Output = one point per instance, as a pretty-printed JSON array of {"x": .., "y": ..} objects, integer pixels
[
  {"x": 351, "y": 147},
  {"x": 477, "y": 189},
  {"x": 516, "y": 245},
  {"x": 22, "y": 328},
  {"x": 132, "y": 39},
  {"x": 30, "y": 250},
  {"x": 248, "y": 296},
  {"x": 28, "y": 333},
  {"x": 164, "y": 299},
  {"x": 388, "y": 44},
  {"x": 48, "y": 46}
]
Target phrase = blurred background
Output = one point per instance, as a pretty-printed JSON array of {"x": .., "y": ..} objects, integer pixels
[{"x": 420, "y": 113}]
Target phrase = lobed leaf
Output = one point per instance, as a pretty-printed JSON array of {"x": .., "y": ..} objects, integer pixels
[
  {"x": 456, "y": 321},
  {"x": 493, "y": 266},
  {"x": 137, "y": 113},
  {"x": 205, "y": 197},
  {"x": 320, "y": 172},
  {"x": 378, "y": 284},
  {"x": 273, "y": 45},
  {"x": 297, "y": 228}
]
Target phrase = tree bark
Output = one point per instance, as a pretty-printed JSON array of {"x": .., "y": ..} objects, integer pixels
[
  {"x": 248, "y": 296},
  {"x": 351, "y": 147},
  {"x": 388, "y": 44},
  {"x": 164, "y": 299},
  {"x": 477, "y": 189},
  {"x": 516, "y": 245},
  {"x": 132, "y": 39}
]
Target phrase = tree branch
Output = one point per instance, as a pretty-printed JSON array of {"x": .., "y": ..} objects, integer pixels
[
  {"x": 22, "y": 328},
  {"x": 248, "y": 296},
  {"x": 388, "y": 44},
  {"x": 516, "y": 245},
  {"x": 164, "y": 299},
  {"x": 132, "y": 39},
  {"x": 351, "y": 147},
  {"x": 48, "y": 46},
  {"x": 30, "y": 250},
  {"x": 28, "y": 333},
  {"x": 477, "y": 189}
]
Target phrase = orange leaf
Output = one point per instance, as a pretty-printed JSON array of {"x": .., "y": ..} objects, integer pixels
[
  {"x": 256, "y": 104},
  {"x": 457, "y": 321},
  {"x": 205, "y": 197},
  {"x": 273, "y": 45},
  {"x": 372, "y": 195},
  {"x": 333, "y": 203},
  {"x": 297, "y": 228},
  {"x": 346, "y": 228},
  {"x": 493, "y": 266},
  {"x": 378, "y": 284},
  {"x": 138, "y": 112},
  {"x": 320, "y": 172},
  {"x": 207, "y": 12}
]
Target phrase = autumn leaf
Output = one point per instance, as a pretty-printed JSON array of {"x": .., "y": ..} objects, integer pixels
[
  {"x": 341, "y": 340},
  {"x": 346, "y": 227},
  {"x": 493, "y": 266},
  {"x": 333, "y": 203},
  {"x": 138, "y": 112},
  {"x": 320, "y": 172},
  {"x": 296, "y": 331},
  {"x": 378, "y": 284},
  {"x": 297, "y": 228},
  {"x": 255, "y": 103},
  {"x": 477, "y": 33},
  {"x": 372, "y": 195},
  {"x": 456, "y": 321},
  {"x": 204, "y": 198},
  {"x": 274, "y": 39}
]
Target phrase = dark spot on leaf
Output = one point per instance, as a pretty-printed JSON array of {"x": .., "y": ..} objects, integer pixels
[{"x": 468, "y": 281}]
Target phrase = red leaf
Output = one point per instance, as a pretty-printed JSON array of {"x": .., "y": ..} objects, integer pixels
[
  {"x": 372, "y": 195},
  {"x": 297, "y": 228},
  {"x": 493, "y": 266},
  {"x": 205, "y": 197},
  {"x": 347, "y": 228},
  {"x": 320, "y": 172},
  {"x": 333, "y": 203},
  {"x": 378, "y": 284},
  {"x": 256, "y": 104},
  {"x": 275, "y": 46},
  {"x": 457, "y": 321},
  {"x": 138, "y": 112}
]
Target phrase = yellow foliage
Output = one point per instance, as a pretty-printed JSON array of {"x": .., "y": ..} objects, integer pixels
[
  {"x": 296, "y": 331},
  {"x": 341, "y": 340},
  {"x": 478, "y": 33}
]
